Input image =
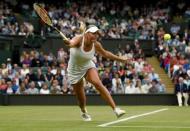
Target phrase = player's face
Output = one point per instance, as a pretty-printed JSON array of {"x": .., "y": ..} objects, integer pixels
[{"x": 94, "y": 36}]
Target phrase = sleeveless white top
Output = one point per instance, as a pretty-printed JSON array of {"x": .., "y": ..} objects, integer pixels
[{"x": 79, "y": 63}]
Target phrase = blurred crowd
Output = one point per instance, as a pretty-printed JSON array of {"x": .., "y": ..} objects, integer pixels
[
  {"x": 174, "y": 54},
  {"x": 45, "y": 73},
  {"x": 174, "y": 57},
  {"x": 115, "y": 19}
]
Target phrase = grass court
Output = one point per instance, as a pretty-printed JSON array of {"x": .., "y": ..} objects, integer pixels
[{"x": 67, "y": 118}]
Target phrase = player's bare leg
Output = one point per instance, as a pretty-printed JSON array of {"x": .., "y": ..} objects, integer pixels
[
  {"x": 92, "y": 77},
  {"x": 80, "y": 94}
]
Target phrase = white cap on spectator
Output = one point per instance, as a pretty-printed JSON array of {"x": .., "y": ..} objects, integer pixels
[
  {"x": 8, "y": 59},
  {"x": 92, "y": 29}
]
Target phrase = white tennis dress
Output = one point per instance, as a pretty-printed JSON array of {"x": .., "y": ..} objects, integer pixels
[{"x": 79, "y": 63}]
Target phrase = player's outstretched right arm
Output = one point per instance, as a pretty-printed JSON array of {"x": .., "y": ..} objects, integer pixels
[{"x": 74, "y": 42}]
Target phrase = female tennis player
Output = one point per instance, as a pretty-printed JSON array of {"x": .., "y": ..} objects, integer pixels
[{"x": 82, "y": 50}]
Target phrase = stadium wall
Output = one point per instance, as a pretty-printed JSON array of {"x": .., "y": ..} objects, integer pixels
[
  {"x": 121, "y": 99},
  {"x": 1, "y": 99}
]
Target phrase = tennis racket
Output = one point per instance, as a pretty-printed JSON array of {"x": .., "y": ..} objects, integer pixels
[{"x": 43, "y": 14}]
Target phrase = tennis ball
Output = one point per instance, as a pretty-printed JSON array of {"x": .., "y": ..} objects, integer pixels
[{"x": 167, "y": 37}]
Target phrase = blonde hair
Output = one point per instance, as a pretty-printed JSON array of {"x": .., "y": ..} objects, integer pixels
[{"x": 82, "y": 27}]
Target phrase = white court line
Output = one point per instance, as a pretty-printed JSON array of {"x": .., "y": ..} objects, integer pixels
[
  {"x": 170, "y": 127},
  {"x": 132, "y": 117}
]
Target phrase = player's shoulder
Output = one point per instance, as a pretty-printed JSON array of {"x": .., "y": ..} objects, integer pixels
[{"x": 75, "y": 41}]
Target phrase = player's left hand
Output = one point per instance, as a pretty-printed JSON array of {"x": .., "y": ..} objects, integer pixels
[{"x": 124, "y": 59}]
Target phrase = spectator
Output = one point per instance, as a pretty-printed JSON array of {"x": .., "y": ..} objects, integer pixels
[
  {"x": 147, "y": 67},
  {"x": 67, "y": 88},
  {"x": 55, "y": 88},
  {"x": 146, "y": 86},
  {"x": 9, "y": 88},
  {"x": 31, "y": 76},
  {"x": 154, "y": 89},
  {"x": 15, "y": 87},
  {"x": 187, "y": 82},
  {"x": 138, "y": 65},
  {"x": 175, "y": 29},
  {"x": 117, "y": 85},
  {"x": 89, "y": 88},
  {"x": 25, "y": 59},
  {"x": 59, "y": 77},
  {"x": 10, "y": 74},
  {"x": 3, "y": 86},
  {"x": 49, "y": 76},
  {"x": 44, "y": 89},
  {"x": 121, "y": 72},
  {"x": 61, "y": 55},
  {"x": 32, "y": 88},
  {"x": 9, "y": 65},
  {"x": 53, "y": 70},
  {"x": 22, "y": 89},
  {"x": 187, "y": 50},
  {"x": 153, "y": 76},
  {"x": 26, "y": 83},
  {"x": 129, "y": 87},
  {"x": 107, "y": 82},
  {"x": 4, "y": 69},
  {"x": 181, "y": 90},
  {"x": 40, "y": 79},
  {"x": 161, "y": 87},
  {"x": 138, "y": 87},
  {"x": 24, "y": 70},
  {"x": 35, "y": 61}
]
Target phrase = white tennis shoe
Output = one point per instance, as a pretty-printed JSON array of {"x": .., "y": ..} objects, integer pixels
[
  {"x": 119, "y": 112},
  {"x": 86, "y": 117}
]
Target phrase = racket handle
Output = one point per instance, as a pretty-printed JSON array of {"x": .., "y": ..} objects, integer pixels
[{"x": 62, "y": 35}]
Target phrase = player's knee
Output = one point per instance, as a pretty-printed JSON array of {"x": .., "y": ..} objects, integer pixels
[{"x": 97, "y": 83}]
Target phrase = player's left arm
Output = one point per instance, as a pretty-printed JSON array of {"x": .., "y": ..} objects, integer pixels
[{"x": 107, "y": 54}]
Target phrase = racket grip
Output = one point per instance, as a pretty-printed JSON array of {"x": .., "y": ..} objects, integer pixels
[{"x": 62, "y": 35}]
